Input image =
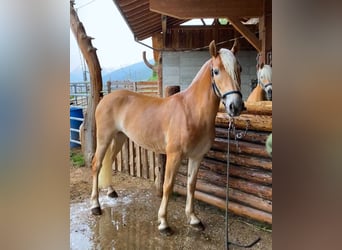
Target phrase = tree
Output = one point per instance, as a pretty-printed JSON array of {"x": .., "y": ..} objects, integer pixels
[{"x": 89, "y": 53}]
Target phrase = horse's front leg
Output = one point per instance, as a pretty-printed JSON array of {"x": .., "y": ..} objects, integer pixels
[
  {"x": 172, "y": 165},
  {"x": 193, "y": 167}
]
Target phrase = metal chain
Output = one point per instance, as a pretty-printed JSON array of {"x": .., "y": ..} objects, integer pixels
[
  {"x": 237, "y": 136},
  {"x": 231, "y": 126}
]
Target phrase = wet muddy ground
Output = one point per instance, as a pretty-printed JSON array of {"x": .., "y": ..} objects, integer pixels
[{"x": 130, "y": 221}]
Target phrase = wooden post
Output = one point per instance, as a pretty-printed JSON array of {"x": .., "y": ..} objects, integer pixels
[
  {"x": 159, "y": 172},
  {"x": 265, "y": 32},
  {"x": 109, "y": 87},
  {"x": 160, "y": 76},
  {"x": 171, "y": 90},
  {"x": 161, "y": 158},
  {"x": 89, "y": 54},
  {"x": 157, "y": 44}
]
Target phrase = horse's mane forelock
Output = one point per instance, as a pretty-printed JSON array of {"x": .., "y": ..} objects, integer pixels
[
  {"x": 230, "y": 64},
  {"x": 266, "y": 71}
]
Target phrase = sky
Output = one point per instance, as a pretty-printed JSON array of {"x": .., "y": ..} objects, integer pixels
[{"x": 113, "y": 38}]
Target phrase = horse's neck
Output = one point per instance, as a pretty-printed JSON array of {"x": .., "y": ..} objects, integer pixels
[
  {"x": 256, "y": 95},
  {"x": 200, "y": 94}
]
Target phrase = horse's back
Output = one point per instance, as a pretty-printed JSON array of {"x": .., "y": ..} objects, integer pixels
[
  {"x": 140, "y": 117},
  {"x": 120, "y": 101}
]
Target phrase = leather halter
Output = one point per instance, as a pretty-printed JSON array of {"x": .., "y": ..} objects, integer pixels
[
  {"x": 218, "y": 92},
  {"x": 268, "y": 84}
]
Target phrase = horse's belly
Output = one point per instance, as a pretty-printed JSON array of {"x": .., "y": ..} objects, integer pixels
[{"x": 153, "y": 142}]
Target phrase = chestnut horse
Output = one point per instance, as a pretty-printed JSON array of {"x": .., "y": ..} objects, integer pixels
[
  {"x": 182, "y": 125},
  {"x": 263, "y": 90}
]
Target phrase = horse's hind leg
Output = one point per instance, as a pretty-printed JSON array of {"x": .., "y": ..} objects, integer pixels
[
  {"x": 101, "y": 148},
  {"x": 103, "y": 142},
  {"x": 172, "y": 165},
  {"x": 193, "y": 167},
  {"x": 116, "y": 146}
]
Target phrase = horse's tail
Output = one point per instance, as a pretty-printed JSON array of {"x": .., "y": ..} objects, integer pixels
[
  {"x": 81, "y": 136},
  {"x": 105, "y": 175}
]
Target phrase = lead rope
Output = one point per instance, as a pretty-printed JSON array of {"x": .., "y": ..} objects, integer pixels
[
  {"x": 227, "y": 182},
  {"x": 237, "y": 136}
]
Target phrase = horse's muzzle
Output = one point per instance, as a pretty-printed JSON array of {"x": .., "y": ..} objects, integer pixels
[
  {"x": 269, "y": 95},
  {"x": 235, "y": 106}
]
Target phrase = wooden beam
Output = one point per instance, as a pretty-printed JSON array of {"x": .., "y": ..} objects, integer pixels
[
  {"x": 262, "y": 35},
  {"x": 189, "y": 9},
  {"x": 164, "y": 26},
  {"x": 250, "y": 36}
]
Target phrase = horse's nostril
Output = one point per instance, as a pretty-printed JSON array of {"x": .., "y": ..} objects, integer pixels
[{"x": 231, "y": 107}]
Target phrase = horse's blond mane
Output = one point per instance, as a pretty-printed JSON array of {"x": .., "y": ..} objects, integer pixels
[
  {"x": 230, "y": 64},
  {"x": 265, "y": 71}
]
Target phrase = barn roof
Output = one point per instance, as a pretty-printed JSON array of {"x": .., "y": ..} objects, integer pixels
[{"x": 143, "y": 22}]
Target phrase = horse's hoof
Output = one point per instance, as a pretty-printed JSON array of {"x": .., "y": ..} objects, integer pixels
[
  {"x": 199, "y": 226},
  {"x": 166, "y": 231},
  {"x": 113, "y": 194},
  {"x": 96, "y": 211}
]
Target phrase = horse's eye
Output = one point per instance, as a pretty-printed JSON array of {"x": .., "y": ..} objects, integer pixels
[{"x": 216, "y": 72}]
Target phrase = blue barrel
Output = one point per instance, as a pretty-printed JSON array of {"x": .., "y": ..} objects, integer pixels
[{"x": 76, "y": 119}]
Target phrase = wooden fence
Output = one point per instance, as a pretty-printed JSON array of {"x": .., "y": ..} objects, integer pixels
[
  {"x": 137, "y": 161},
  {"x": 250, "y": 167},
  {"x": 145, "y": 87}
]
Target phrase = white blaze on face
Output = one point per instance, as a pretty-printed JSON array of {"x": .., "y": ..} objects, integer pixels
[
  {"x": 233, "y": 102},
  {"x": 230, "y": 65},
  {"x": 265, "y": 76}
]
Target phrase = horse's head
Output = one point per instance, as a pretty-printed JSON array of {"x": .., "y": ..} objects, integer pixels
[
  {"x": 265, "y": 79},
  {"x": 226, "y": 78}
]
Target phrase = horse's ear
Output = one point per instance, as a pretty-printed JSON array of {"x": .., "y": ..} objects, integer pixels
[
  {"x": 212, "y": 48},
  {"x": 235, "y": 47},
  {"x": 260, "y": 65}
]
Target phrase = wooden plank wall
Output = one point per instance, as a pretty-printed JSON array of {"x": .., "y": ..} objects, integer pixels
[
  {"x": 194, "y": 37},
  {"x": 250, "y": 167}
]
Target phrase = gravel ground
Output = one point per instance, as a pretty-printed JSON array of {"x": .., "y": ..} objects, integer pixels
[{"x": 130, "y": 221}]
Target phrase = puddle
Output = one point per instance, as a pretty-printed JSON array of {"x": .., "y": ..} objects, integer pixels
[
  {"x": 117, "y": 228},
  {"x": 130, "y": 222}
]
